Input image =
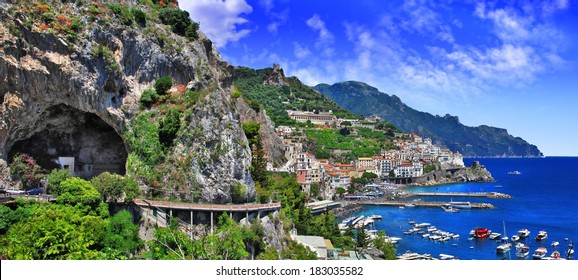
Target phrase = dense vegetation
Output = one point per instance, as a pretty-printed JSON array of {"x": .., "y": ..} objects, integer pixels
[{"x": 277, "y": 99}]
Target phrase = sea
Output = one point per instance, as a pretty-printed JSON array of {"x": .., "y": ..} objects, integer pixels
[{"x": 544, "y": 197}]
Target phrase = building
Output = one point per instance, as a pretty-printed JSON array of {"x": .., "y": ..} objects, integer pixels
[{"x": 321, "y": 118}]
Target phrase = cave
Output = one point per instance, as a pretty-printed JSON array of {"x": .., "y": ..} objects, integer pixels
[{"x": 65, "y": 137}]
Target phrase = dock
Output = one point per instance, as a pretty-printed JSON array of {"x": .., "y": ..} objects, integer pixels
[
  {"x": 419, "y": 203},
  {"x": 461, "y": 194}
]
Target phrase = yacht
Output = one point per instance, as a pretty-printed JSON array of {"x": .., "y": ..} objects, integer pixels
[
  {"x": 515, "y": 238},
  {"x": 450, "y": 209},
  {"x": 503, "y": 248},
  {"x": 522, "y": 251},
  {"x": 542, "y": 235},
  {"x": 481, "y": 232},
  {"x": 494, "y": 235},
  {"x": 540, "y": 253},
  {"x": 523, "y": 233},
  {"x": 555, "y": 243}
]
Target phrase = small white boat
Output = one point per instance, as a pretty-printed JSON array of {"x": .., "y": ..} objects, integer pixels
[
  {"x": 425, "y": 235},
  {"x": 375, "y": 217},
  {"x": 541, "y": 235},
  {"x": 447, "y": 257},
  {"x": 555, "y": 243},
  {"x": 522, "y": 251},
  {"x": 523, "y": 233},
  {"x": 515, "y": 238},
  {"x": 540, "y": 253},
  {"x": 494, "y": 235},
  {"x": 516, "y": 172},
  {"x": 555, "y": 254},
  {"x": 410, "y": 205},
  {"x": 450, "y": 209},
  {"x": 421, "y": 225},
  {"x": 503, "y": 248}
]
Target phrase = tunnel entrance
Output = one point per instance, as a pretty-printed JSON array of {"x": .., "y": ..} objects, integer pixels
[{"x": 65, "y": 137}]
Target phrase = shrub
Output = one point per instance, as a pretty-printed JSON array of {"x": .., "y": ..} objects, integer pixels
[
  {"x": 162, "y": 85},
  {"x": 123, "y": 13},
  {"x": 168, "y": 128},
  {"x": 149, "y": 97},
  {"x": 139, "y": 16},
  {"x": 180, "y": 22}
]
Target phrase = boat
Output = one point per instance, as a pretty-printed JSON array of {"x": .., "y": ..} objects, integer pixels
[
  {"x": 498, "y": 186},
  {"x": 516, "y": 172},
  {"x": 375, "y": 217},
  {"x": 555, "y": 254},
  {"x": 425, "y": 235},
  {"x": 542, "y": 235},
  {"x": 450, "y": 209},
  {"x": 522, "y": 251},
  {"x": 409, "y": 205},
  {"x": 523, "y": 233},
  {"x": 447, "y": 257},
  {"x": 555, "y": 244},
  {"x": 494, "y": 235},
  {"x": 420, "y": 225},
  {"x": 503, "y": 248},
  {"x": 540, "y": 253},
  {"x": 570, "y": 251},
  {"x": 481, "y": 232},
  {"x": 515, "y": 238}
]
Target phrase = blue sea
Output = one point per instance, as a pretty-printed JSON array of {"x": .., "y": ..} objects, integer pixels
[{"x": 544, "y": 197}]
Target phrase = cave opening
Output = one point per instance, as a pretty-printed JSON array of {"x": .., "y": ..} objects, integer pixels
[{"x": 65, "y": 137}]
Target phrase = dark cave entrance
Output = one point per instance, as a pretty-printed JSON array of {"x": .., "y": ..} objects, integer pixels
[{"x": 65, "y": 137}]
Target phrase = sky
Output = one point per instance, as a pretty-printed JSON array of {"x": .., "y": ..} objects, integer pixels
[{"x": 508, "y": 64}]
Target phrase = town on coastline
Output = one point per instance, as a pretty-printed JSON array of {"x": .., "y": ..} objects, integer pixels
[{"x": 414, "y": 161}]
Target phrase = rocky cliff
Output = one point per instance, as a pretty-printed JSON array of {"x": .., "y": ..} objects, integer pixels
[
  {"x": 476, "y": 172},
  {"x": 65, "y": 64}
]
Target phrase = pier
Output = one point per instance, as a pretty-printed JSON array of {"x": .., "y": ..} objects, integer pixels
[
  {"x": 462, "y": 194},
  {"x": 420, "y": 203}
]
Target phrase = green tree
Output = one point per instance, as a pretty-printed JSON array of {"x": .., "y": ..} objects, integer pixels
[
  {"x": 76, "y": 190},
  {"x": 54, "y": 179},
  {"x": 24, "y": 168},
  {"x": 238, "y": 192},
  {"x": 110, "y": 186},
  {"x": 53, "y": 231},
  {"x": 169, "y": 243},
  {"x": 122, "y": 238},
  {"x": 168, "y": 128},
  {"x": 162, "y": 85},
  {"x": 230, "y": 245},
  {"x": 386, "y": 247}
]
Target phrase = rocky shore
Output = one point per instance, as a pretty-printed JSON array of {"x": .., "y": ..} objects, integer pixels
[{"x": 473, "y": 173}]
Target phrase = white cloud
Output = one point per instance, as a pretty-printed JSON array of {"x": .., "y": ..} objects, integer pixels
[
  {"x": 325, "y": 37},
  {"x": 300, "y": 51},
  {"x": 220, "y": 20}
]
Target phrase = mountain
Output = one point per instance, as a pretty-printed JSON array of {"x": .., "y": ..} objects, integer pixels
[
  {"x": 125, "y": 86},
  {"x": 481, "y": 141}
]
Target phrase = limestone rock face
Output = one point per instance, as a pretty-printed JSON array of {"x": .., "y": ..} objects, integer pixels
[
  {"x": 272, "y": 143},
  {"x": 42, "y": 72}
]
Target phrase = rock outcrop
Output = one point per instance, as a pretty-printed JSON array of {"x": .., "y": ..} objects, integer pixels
[
  {"x": 102, "y": 70},
  {"x": 476, "y": 172}
]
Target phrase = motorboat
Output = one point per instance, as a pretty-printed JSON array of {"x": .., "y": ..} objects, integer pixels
[
  {"x": 541, "y": 235},
  {"x": 516, "y": 172},
  {"x": 450, "y": 209},
  {"x": 503, "y": 248},
  {"x": 375, "y": 217},
  {"x": 515, "y": 238},
  {"x": 555, "y": 244},
  {"x": 494, "y": 235},
  {"x": 523, "y": 233},
  {"x": 540, "y": 253},
  {"x": 555, "y": 254},
  {"x": 422, "y": 225},
  {"x": 522, "y": 251},
  {"x": 447, "y": 257},
  {"x": 410, "y": 205},
  {"x": 481, "y": 232}
]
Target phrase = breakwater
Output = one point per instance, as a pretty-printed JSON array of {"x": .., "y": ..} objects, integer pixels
[
  {"x": 462, "y": 194},
  {"x": 409, "y": 204}
]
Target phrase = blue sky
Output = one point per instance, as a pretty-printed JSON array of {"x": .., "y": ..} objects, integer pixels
[{"x": 509, "y": 64}]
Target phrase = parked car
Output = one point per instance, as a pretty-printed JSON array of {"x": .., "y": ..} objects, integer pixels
[
  {"x": 34, "y": 191},
  {"x": 14, "y": 191}
]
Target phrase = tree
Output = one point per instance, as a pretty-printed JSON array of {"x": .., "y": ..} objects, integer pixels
[
  {"x": 231, "y": 246},
  {"x": 169, "y": 243},
  {"x": 54, "y": 179},
  {"x": 345, "y": 123},
  {"x": 386, "y": 247},
  {"x": 162, "y": 85},
  {"x": 149, "y": 97},
  {"x": 24, "y": 168},
  {"x": 122, "y": 238},
  {"x": 54, "y": 231},
  {"x": 344, "y": 131},
  {"x": 168, "y": 128},
  {"x": 238, "y": 192},
  {"x": 75, "y": 191},
  {"x": 110, "y": 186}
]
